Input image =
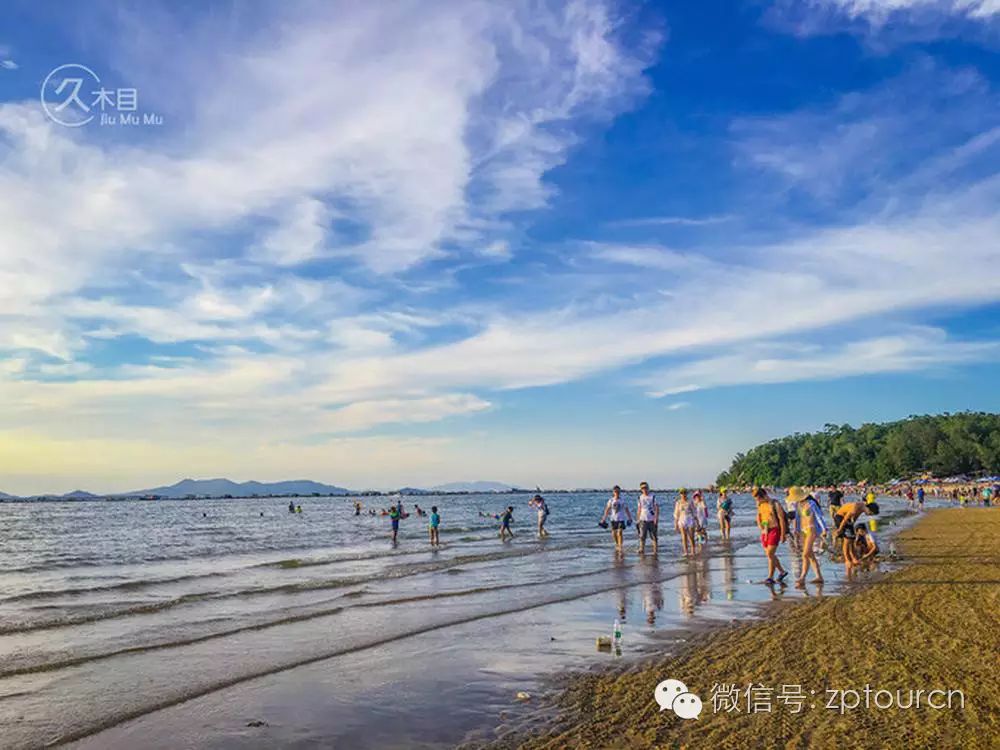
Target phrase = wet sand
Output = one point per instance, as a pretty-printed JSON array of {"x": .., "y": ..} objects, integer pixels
[{"x": 932, "y": 624}]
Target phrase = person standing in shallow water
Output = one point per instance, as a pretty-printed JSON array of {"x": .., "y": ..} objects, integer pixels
[
  {"x": 809, "y": 520},
  {"x": 539, "y": 504},
  {"x": 724, "y": 506},
  {"x": 773, "y": 531},
  {"x": 617, "y": 511},
  {"x": 684, "y": 520},
  {"x": 648, "y": 515},
  {"x": 394, "y": 515}
]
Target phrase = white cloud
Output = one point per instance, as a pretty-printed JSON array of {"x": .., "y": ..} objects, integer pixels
[
  {"x": 920, "y": 349},
  {"x": 298, "y": 237},
  {"x": 678, "y": 405},
  {"x": 879, "y": 11},
  {"x": 680, "y": 221},
  {"x": 8, "y": 65},
  {"x": 426, "y": 121}
]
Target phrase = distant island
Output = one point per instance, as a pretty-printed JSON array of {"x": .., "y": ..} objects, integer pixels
[
  {"x": 940, "y": 446},
  {"x": 473, "y": 487},
  {"x": 223, "y": 488}
]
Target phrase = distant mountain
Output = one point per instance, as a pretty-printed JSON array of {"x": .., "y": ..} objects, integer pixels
[
  {"x": 413, "y": 491},
  {"x": 5, "y": 496},
  {"x": 220, "y": 487},
  {"x": 473, "y": 487},
  {"x": 79, "y": 495}
]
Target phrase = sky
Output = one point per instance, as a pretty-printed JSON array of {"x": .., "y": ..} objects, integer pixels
[{"x": 565, "y": 244}]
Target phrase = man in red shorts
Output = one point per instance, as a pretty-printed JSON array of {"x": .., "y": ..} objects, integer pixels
[{"x": 773, "y": 528}]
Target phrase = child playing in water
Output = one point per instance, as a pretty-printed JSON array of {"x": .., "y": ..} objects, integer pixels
[
  {"x": 435, "y": 521},
  {"x": 724, "y": 508},
  {"x": 394, "y": 516},
  {"x": 506, "y": 519},
  {"x": 700, "y": 518},
  {"x": 865, "y": 547}
]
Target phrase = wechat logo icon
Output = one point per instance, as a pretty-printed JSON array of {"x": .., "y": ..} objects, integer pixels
[{"x": 675, "y": 696}]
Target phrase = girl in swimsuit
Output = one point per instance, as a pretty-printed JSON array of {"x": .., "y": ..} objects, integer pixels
[{"x": 684, "y": 521}]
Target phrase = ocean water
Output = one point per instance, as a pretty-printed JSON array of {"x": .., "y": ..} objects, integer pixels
[{"x": 178, "y": 623}]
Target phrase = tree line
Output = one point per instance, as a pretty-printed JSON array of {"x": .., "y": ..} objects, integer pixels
[{"x": 942, "y": 445}]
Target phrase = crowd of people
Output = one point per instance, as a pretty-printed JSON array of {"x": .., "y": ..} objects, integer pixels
[{"x": 800, "y": 520}]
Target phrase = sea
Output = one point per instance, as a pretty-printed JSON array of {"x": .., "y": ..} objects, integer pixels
[{"x": 233, "y": 623}]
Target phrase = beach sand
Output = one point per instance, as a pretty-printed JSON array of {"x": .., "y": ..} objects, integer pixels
[{"x": 934, "y": 623}]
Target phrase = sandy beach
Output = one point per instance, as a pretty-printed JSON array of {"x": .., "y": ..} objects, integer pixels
[{"x": 932, "y": 624}]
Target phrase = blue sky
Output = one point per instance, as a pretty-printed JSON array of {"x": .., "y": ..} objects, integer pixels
[{"x": 566, "y": 244}]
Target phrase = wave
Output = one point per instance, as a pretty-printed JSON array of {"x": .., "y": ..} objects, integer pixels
[
  {"x": 108, "y": 721},
  {"x": 128, "y": 610},
  {"x": 123, "y": 586},
  {"x": 294, "y": 618}
]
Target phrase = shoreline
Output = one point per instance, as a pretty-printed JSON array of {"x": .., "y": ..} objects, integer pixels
[{"x": 925, "y": 625}]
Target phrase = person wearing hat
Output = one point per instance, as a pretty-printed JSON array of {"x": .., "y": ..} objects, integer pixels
[{"x": 810, "y": 525}]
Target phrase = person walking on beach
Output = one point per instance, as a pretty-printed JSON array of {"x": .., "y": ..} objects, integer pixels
[
  {"x": 773, "y": 530},
  {"x": 435, "y": 522},
  {"x": 724, "y": 509},
  {"x": 811, "y": 526},
  {"x": 684, "y": 520},
  {"x": 920, "y": 498},
  {"x": 539, "y": 504},
  {"x": 506, "y": 519},
  {"x": 616, "y": 511},
  {"x": 648, "y": 515}
]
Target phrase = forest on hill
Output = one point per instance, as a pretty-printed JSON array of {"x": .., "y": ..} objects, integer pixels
[{"x": 944, "y": 445}]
